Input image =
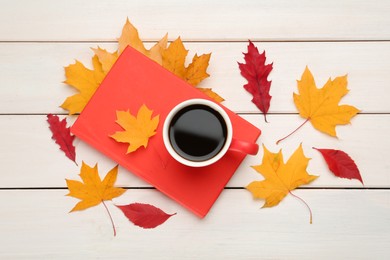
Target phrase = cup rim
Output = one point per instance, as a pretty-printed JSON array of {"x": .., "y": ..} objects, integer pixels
[{"x": 197, "y": 101}]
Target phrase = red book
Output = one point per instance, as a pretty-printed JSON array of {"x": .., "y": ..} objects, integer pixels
[{"x": 135, "y": 80}]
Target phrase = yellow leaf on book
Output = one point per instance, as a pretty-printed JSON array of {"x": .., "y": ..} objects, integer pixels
[{"x": 138, "y": 129}]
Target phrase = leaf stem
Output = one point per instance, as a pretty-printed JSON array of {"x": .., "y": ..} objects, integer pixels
[
  {"x": 109, "y": 214},
  {"x": 265, "y": 117},
  {"x": 307, "y": 120},
  {"x": 163, "y": 164},
  {"x": 311, "y": 215}
]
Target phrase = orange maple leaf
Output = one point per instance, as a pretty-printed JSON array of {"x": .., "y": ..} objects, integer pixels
[
  {"x": 280, "y": 178},
  {"x": 138, "y": 129}
]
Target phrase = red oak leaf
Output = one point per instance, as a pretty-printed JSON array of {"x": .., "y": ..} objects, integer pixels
[
  {"x": 62, "y": 136},
  {"x": 341, "y": 164},
  {"x": 145, "y": 215},
  {"x": 256, "y": 72}
]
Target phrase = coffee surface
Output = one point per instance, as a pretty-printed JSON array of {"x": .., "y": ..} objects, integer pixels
[{"x": 197, "y": 133}]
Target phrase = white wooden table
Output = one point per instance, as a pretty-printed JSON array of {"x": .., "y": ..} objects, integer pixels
[{"x": 38, "y": 38}]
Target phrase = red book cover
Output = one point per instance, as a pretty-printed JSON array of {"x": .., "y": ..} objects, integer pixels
[{"x": 135, "y": 80}]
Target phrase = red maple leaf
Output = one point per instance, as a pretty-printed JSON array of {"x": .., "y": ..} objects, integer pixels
[
  {"x": 341, "y": 164},
  {"x": 62, "y": 136},
  {"x": 256, "y": 72}
]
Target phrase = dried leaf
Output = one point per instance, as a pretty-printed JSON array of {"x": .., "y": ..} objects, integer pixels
[
  {"x": 62, "y": 136},
  {"x": 107, "y": 59},
  {"x": 173, "y": 59},
  {"x": 138, "y": 129},
  {"x": 86, "y": 81},
  {"x": 341, "y": 164},
  {"x": 92, "y": 191},
  {"x": 145, "y": 215},
  {"x": 196, "y": 71},
  {"x": 130, "y": 37},
  {"x": 280, "y": 178},
  {"x": 320, "y": 106},
  {"x": 211, "y": 94},
  {"x": 256, "y": 72}
]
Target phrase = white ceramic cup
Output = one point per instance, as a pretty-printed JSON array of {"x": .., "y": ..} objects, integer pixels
[{"x": 230, "y": 142}]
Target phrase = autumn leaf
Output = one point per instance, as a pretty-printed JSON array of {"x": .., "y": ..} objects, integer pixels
[
  {"x": 144, "y": 215},
  {"x": 174, "y": 58},
  {"x": 320, "y": 106},
  {"x": 256, "y": 72},
  {"x": 341, "y": 164},
  {"x": 106, "y": 59},
  {"x": 130, "y": 37},
  {"x": 61, "y": 135},
  {"x": 211, "y": 94},
  {"x": 86, "y": 81},
  {"x": 280, "y": 178},
  {"x": 138, "y": 129},
  {"x": 92, "y": 191}
]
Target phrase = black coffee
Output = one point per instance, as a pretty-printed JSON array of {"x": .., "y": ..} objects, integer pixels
[{"x": 197, "y": 133}]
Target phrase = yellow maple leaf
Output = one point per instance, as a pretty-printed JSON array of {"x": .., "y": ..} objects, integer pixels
[
  {"x": 92, "y": 191},
  {"x": 107, "y": 59},
  {"x": 173, "y": 59},
  {"x": 86, "y": 81},
  {"x": 320, "y": 106},
  {"x": 196, "y": 71},
  {"x": 280, "y": 178},
  {"x": 130, "y": 37},
  {"x": 212, "y": 94},
  {"x": 138, "y": 129}
]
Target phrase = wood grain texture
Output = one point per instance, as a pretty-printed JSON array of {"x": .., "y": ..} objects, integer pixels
[
  {"x": 31, "y": 74},
  {"x": 218, "y": 20},
  {"x": 36, "y": 225},
  {"x": 26, "y": 139}
]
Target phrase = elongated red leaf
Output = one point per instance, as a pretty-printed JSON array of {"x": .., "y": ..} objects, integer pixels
[
  {"x": 62, "y": 136},
  {"x": 341, "y": 164},
  {"x": 256, "y": 72},
  {"x": 145, "y": 215}
]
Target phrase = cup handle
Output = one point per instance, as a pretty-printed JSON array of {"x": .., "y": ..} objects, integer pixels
[{"x": 244, "y": 147}]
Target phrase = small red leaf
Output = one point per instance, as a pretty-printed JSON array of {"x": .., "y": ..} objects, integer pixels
[
  {"x": 256, "y": 72},
  {"x": 62, "y": 136},
  {"x": 145, "y": 215},
  {"x": 341, "y": 164}
]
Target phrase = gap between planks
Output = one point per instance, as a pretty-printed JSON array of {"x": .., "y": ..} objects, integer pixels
[
  {"x": 239, "y": 113},
  {"x": 201, "y": 41},
  {"x": 225, "y": 188}
]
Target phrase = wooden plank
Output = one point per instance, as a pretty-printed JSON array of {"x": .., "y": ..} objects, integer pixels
[
  {"x": 31, "y": 159},
  {"x": 31, "y": 75},
  {"x": 346, "y": 224},
  {"x": 199, "y": 20}
]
